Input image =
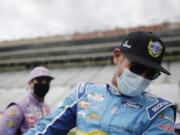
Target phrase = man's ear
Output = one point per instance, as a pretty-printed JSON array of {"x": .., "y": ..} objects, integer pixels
[{"x": 116, "y": 55}]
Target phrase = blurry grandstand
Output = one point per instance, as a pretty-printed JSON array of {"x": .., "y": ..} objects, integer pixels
[
  {"x": 78, "y": 49},
  {"x": 81, "y": 57}
]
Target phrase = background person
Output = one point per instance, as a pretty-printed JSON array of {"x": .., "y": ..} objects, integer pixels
[{"x": 21, "y": 115}]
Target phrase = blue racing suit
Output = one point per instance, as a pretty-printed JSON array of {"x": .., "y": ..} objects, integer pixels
[{"x": 100, "y": 110}]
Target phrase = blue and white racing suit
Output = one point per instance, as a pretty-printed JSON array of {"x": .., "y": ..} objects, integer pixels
[{"x": 100, "y": 110}]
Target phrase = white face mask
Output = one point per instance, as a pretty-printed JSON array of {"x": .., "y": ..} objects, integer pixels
[{"x": 131, "y": 84}]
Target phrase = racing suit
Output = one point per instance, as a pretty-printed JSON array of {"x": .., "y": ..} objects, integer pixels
[
  {"x": 101, "y": 110},
  {"x": 22, "y": 115}
]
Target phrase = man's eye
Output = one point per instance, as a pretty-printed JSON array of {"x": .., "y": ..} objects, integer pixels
[
  {"x": 44, "y": 81},
  {"x": 35, "y": 81}
]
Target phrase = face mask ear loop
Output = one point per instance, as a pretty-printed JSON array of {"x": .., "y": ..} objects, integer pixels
[
  {"x": 117, "y": 76},
  {"x": 121, "y": 63},
  {"x": 116, "y": 71}
]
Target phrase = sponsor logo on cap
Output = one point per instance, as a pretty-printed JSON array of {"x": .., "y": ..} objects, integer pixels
[
  {"x": 125, "y": 44},
  {"x": 154, "y": 49}
]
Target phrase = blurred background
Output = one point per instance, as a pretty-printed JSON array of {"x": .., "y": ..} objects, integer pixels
[{"x": 75, "y": 40}]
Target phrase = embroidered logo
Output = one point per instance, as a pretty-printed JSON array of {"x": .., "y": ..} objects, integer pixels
[
  {"x": 10, "y": 124},
  {"x": 131, "y": 104},
  {"x": 83, "y": 104},
  {"x": 167, "y": 128},
  {"x": 94, "y": 116},
  {"x": 81, "y": 114},
  {"x": 113, "y": 109},
  {"x": 157, "y": 107},
  {"x": 126, "y": 45},
  {"x": 154, "y": 49},
  {"x": 166, "y": 117},
  {"x": 96, "y": 97}
]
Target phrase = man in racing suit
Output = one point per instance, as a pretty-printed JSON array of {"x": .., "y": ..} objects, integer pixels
[
  {"x": 21, "y": 115},
  {"x": 121, "y": 106}
]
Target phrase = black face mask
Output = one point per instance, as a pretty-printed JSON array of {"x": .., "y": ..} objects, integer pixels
[{"x": 41, "y": 89}]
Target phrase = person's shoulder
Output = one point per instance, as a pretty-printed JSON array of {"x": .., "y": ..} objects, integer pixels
[
  {"x": 152, "y": 99},
  {"x": 13, "y": 111},
  {"x": 19, "y": 103},
  {"x": 155, "y": 105},
  {"x": 90, "y": 87}
]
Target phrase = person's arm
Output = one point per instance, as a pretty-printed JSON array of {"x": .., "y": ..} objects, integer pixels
[
  {"x": 62, "y": 120},
  {"x": 11, "y": 121},
  {"x": 162, "y": 124}
]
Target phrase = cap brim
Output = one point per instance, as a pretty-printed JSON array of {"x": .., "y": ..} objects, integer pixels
[
  {"x": 49, "y": 77},
  {"x": 148, "y": 63}
]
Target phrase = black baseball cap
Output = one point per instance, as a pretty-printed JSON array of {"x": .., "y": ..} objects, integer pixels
[{"x": 144, "y": 48}]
